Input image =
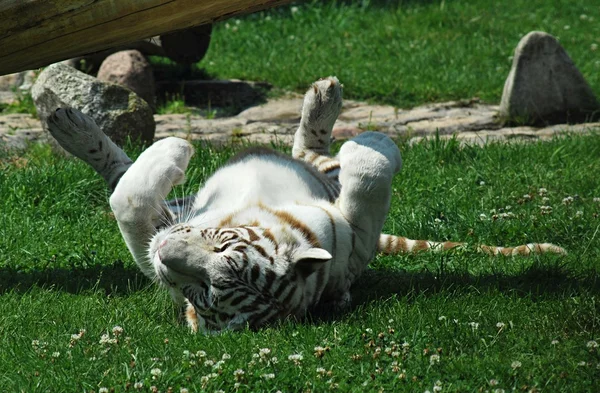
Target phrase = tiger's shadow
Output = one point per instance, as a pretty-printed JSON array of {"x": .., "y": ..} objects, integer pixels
[
  {"x": 118, "y": 279},
  {"x": 113, "y": 279}
]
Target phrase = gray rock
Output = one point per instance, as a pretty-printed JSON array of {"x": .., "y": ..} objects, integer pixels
[
  {"x": 544, "y": 86},
  {"x": 129, "y": 68},
  {"x": 118, "y": 111}
]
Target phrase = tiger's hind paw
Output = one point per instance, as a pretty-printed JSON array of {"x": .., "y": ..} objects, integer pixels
[
  {"x": 321, "y": 107},
  {"x": 79, "y": 135}
]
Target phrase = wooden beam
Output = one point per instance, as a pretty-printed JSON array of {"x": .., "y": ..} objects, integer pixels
[{"x": 35, "y": 33}]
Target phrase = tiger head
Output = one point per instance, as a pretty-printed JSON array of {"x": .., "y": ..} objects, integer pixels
[{"x": 235, "y": 277}]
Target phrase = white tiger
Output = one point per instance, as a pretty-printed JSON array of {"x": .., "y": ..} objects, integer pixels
[{"x": 268, "y": 236}]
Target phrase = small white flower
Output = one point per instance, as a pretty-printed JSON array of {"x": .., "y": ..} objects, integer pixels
[
  {"x": 294, "y": 10},
  {"x": 592, "y": 344},
  {"x": 218, "y": 365},
  {"x": 390, "y": 321},
  {"x": 117, "y": 330},
  {"x": 582, "y": 363},
  {"x": 156, "y": 372},
  {"x": 55, "y": 354},
  {"x": 567, "y": 27},
  {"x": 369, "y": 330},
  {"x": 474, "y": 325},
  {"x": 103, "y": 390},
  {"x": 554, "y": 342},
  {"x": 201, "y": 354},
  {"x": 498, "y": 390},
  {"x": 527, "y": 197},
  {"x": 583, "y": 17},
  {"x": 321, "y": 370},
  {"x": 209, "y": 363},
  {"x": 442, "y": 318},
  {"x": 542, "y": 191},
  {"x": 437, "y": 386},
  {"x": 296, "y": 358},
  {"x": 482, "y": 183},
  {"x": 568, "y": 200},
  {"x": 482, "y": 216},
  {"x": 138, "y": 385},
  {"x": 493, "y": 382},
  {"x": 578, "y": 213},
  {"x": 516, "y": 364},
  {"x": 264, "y": 352},
  {"x": 105, "y": 339},
  {"x": 226, "y": 356},
  {"x": 596, "y": 199},
  {"x": 500, "y": 325},
  {"x": 437, "y": 220},
  {"x": 183, "y": 390},
  {"x": 274, "y": 360},
  {"x": 434, "y": 359},
  {"x": 268, "y": 376},
  {"x": 545, "y": 200}
]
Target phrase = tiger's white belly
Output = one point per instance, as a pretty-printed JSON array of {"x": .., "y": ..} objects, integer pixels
[
  {"x": 247, "y": 193},
  {"x": 257, "y": 181}
]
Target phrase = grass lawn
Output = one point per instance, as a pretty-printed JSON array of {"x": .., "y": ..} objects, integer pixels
[
  {"x": 75, "y": 314},
  {"x": 402, "y": 53}
]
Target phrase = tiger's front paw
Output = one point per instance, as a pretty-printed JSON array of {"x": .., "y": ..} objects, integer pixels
[
  {"x": 150, "y": 179},
  {"x": 373, "y": 153},
  {"x": 164, "y": 164}
]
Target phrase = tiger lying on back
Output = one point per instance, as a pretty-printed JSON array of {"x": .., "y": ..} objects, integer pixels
[{"x": 268, "y": 236}]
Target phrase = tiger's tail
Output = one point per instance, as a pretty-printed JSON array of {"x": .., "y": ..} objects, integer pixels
[{"x": 390, "y": 244}]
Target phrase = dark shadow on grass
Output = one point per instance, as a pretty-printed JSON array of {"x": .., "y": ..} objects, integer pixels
[
  {"x": 536, "y": 281},
  {"x": 115, "y": 279}
]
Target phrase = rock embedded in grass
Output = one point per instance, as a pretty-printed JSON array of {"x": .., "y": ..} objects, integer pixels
[
  {"x": 118, "y": 111},
  {"x": 545, "y": 87}
]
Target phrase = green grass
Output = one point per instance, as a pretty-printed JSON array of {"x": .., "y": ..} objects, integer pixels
[
  {"x": 403, "y": 53},
  {"x": 23, "y": 103},
  {"x": 495, "y": 323}
]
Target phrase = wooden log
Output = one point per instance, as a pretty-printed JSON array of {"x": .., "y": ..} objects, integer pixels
[{"x": 35, "y": 33}]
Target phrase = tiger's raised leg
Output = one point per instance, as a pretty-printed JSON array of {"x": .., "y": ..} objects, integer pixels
[
  {"x": 321, "y": 107},
  {"x": 79, "y": 135},
  {"x": 139, "y": 188},
  {"x": 368, "y": 165}
]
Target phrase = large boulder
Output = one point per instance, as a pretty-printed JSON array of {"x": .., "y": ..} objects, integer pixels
[
  {"x": 129, "y": 68},
  {"x": 118, "y": 111},
  {"x": 544, "y": 86}
]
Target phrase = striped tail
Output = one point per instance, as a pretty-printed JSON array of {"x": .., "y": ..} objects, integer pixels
[{"x": 390, "y": 244}]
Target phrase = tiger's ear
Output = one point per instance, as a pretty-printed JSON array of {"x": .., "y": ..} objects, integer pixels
[{"x": 306, "y": 262}]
